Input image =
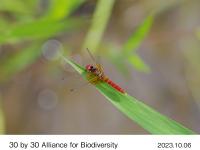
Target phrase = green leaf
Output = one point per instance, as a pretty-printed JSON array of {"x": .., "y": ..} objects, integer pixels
[
  {"x": 13, "y": 6},
  {"x": 99, "y": 23},
  {"x": 138, "y": 63},
  {"x": 137, "y": 111},
  {"x": 59, "y": 9},
  {"x": 138, "y": 36},
  {"x": 134, "y": 42},
  {"x": 37, "y": 30}
]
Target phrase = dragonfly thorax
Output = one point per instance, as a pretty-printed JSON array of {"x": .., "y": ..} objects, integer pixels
[{"x": 95, "y": 71}]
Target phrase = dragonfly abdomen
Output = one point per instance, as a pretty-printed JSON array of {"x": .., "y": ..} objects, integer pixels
[{"x": 114, "y": 85}]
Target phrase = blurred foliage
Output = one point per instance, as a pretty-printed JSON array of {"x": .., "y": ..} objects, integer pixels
[
  {"x": 39, "y": 30},
  {"x": 138, "y": 63},
  {"x": 191, "y": 68},
  {"x": 137, "y": 37},
  {"x": 61, "y": 9},
  {"x": 2, "y": 119},
  {"x": 134, "y": 42},
  {"x": 23, "y": 25},
  {"x": 19, "y": 61},
  {"x": 56, "y": 20},
  {"x": 198, "y": 33},
  {"x": 18, "y": 6},
  {"x": 119, "y": 59},
  {"x": 100, "y": 19},
  {"x": 128, "y": 52}
]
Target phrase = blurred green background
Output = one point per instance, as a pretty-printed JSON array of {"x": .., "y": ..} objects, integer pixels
[{"x": 149, "y": 47}]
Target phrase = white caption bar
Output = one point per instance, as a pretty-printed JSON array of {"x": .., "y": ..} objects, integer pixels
[{"x": 99, "y": 142}]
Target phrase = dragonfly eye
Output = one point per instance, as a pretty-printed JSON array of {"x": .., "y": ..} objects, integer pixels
[{"x": 89, "y": 67}]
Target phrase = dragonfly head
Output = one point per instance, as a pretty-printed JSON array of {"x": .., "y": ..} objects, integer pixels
[{"x": 90, "y": 68}]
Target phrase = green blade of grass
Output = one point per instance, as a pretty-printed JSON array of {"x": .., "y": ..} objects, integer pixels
[
  {"x": 37, "y": 30},
  {"x": 138, "y": 63},
  {"x": 99, "y": 22},
  {"x": 130, "y": 46},
  {"x": 16, "y": 6},
  {"x": 145, "y": 116},
  {"x": 59, "y": 9},
  {"x": 134, "y": 42},
  {"x": 138, "y": 36}
]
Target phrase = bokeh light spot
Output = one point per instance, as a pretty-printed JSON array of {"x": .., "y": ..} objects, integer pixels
[
  {"x": 52, "y": 49},
  {"x": 47, "y": 99}
]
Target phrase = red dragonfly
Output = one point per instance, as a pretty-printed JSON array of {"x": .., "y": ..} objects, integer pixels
[{"x": 95, "y": 74}]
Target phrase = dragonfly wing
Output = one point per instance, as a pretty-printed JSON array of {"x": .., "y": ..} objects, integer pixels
[{"x": 100, "y": 68}]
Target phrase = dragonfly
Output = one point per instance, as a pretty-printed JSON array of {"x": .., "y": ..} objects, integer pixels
[{"x": 95, "y": 74}]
